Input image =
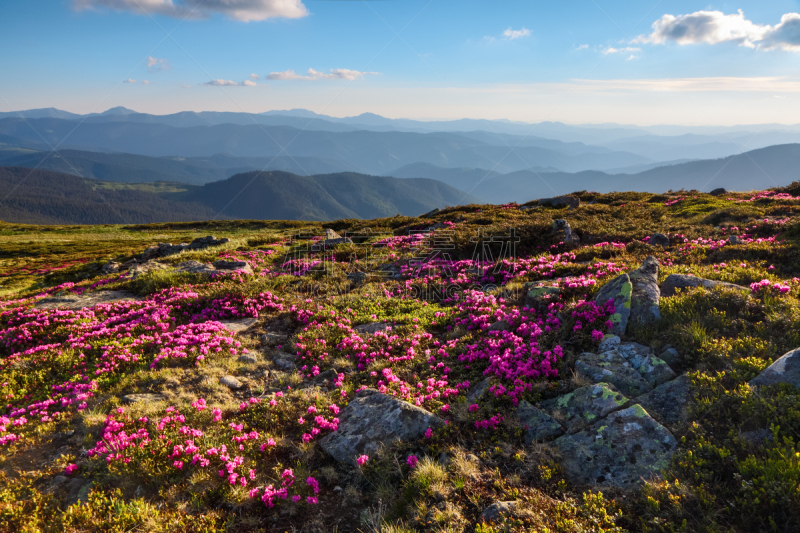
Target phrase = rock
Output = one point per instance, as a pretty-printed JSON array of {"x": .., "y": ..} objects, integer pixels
[
  {"x": 429, "y": 214},
  {"x": 151, "y": 252},
  {"x": 373, "y": 419},
  {"x": 205, "y": 242},
  {"x": 78, "y": 491},
  {"x": 564, "y": 232},
  {"x": 332, "y": 238},
  {"x": 195, "y": 267},
  {"x": 659, "y": 239},
  {"x": 476, "y": 392},
  {"x": 654, "y": 370},
  {"x": 609, "y": 342},
  {"x": 620, "y": 451},
  {"x": 612, "y": 367},
  {"x": 144, "y": 398},
  {"x": 539, "y": 426},
  {"x": 500, "y": 325},
  {"x": 619, "y": 291},
  {"x": 734, "y": 239},
  {"x": 669, "y": 402},
  {"x": 357, "y": 277},
  {"x": 561, "y": 201},
  {"x": 683, "y": 281},
  {"x": 239, "y": 325},
  {"x": 329, "y": 376},
  {"x": 248, "y": 359},
  {"x": 230, "y": 382},
  {"x": 271, "y": 339},
  {"x": 242, "y": 266},
  {"x": 372, "y": 327},
  {"x": 150, "y": 266},
  {"x": 785, "y": 370},
  {"x": 718, "y": 192},
  {"x": 497, "y": 510},
  {"x": 671, "y": 357},
  {"x": 111, "y": 267},
  {"x": 444, "y": 459},
  {"x": 540, "y": 294},
  {"x": 284, "y": 361},
  {"x": 584, "y": 406},
  {"x": 645, "y": 294},
  {"x": 757, "y": 437},
  {"x": 88, "y": 299}
]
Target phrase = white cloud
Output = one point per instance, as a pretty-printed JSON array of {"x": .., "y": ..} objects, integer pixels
[
  {"x": 334, "y": 74},
  {"x": 129, "y": 80},
  {"x": 625, "y": 50},
  {"x": 255, "y": 77},
  {"x": 714, "y": 27},
  {"x": 145, "y": 82},
  {"x": 229, "y": 83},
  {"x": 516, "y": 34},
  {"x": 157, "y": 64},
  {"x": 242, "y": 10},
  {"x": 582, "y": 47},
  {"x": 632, "y": 56}
]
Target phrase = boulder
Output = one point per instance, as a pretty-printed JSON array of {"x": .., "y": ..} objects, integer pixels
[
  {"x": 112, "y": 267},
  {"x": 609, "y": 342},
  {"x": 429, "y": 214},
  {"x": 540, "y": 294},
  {"x": 671, "y": 357},
  {"x": 78, "y": 491},
  {"x": 645, "y": 294},
  {"x": 87, "y": 299},
  {"x": 239, "y": 325},
  {"x": 785, "y": 370},
  {"x": 231, "y": 382},
  {"x": 372, "y": 327},
  {"x": 584, "y": 406},
  {"x": 284, "y": 361},
  {"x": 564, "y": 233},
  {"x": 332, "y": 238},
  {"x": 497, "y": 510},
  {"x": 538, "y": 425},
  {"x": 718, "y": 192},
  {"x": 372, "y": 420},
  {"x": 143, "y": 268},
  {"x": 734, "y": 239},
  {"x": 500, "y": 325},
  {"x": 619, "y": 291},
  {"x": 561, "y": 201},
  {"x": 669, "y": 402},
  {"x": 675, "y": 282},
  {"x": 195, "y": 267},
  {"x": 248, "y": 359},
  {"x": 243, "y": 266},
  {"x": 271, "y": 339},
  {"x": 612, "y": 367},
  {"x": 659, "y": 239},
  {"x": 626, "y": 448},
  {"x": 476, "y": 392}
]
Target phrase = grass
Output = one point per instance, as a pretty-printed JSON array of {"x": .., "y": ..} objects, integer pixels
[{"x": 736, "y": 470}]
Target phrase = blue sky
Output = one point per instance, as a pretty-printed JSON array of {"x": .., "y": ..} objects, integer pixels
[{"x": 579, "y": 62}]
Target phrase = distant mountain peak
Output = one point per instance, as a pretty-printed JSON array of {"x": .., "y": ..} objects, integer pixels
[{"x": 119, "y": 110}]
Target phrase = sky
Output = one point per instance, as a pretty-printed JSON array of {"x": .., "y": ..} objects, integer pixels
[{"x": 640, "y": 62}]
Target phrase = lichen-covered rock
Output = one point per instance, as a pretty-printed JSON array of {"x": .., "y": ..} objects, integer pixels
[
  {"x": 671, "y": 356},
  {"x": 195, "y": 267},
  {"x": 88, "y": 299},
  {"x": 561, "y": 201},
  {"x": 675, "y": 282},
  {"x": 497, "y": 510},
  {"x": 239, "y": 266},
  {"x": 239, "y": 325},
  {"x": 373, "y": 419},
  {"x": 247, "y": 359},
  {"x": 538, "y": 425},
  {"x": 619, "y": 291},
  {"x": 537, "y": 293},
  {"x": 659, "y": 239},
  {"x": 230, "y": 382},
  {"x": 609, "y": 342},
  {"x": 655, "y": 370},
  {"x": 149, "y": 266},
  {"x": 669, "y": 402},
  {"x": 584, "y": 406},
  {"x": 785, "y": 370},
  {"x": 612, "y": 367},
  {"x": 476, "y": 392},
  {"x": 284, "y": 361},
  {"x": 620, "y": 451},
  {"x": 645, "y": 294}
]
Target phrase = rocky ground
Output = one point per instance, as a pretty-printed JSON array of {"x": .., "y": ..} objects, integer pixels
[{"x": 621, "y": 362}]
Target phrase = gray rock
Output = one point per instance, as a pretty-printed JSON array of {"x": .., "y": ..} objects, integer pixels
[
  {"x": 477, "y": 392},
  {"x": 609, "y": 342},
  {"x": 112, "y": 267},
  {"x": 671, "y": 357},
  {"x": 785, "y": 370},
  {"x": 88, "y": 299},
  {"x": 373, "y": 327},
  {"x": 659, "y": 239},
  {"x": 230, "y": 382},
  {"x": 654, "y": 370},
  {"x": 248, "y": 359},
  {"x": 669, "y": 402},
  {"x": 328, "y": 376},
  {"x": 500, "y": 325},
  {"x": 284, "y": 361},
  {"x": 561, "y": 201},
  {"x": 429, "y": 214},
  {"x": 239, "y": 325},
  {"x": 539, "y": 426},
  {"x": 195, "y": 267},
  {"x": 78, "y": 491},
  {"x": 272, "y": 339},
  {"x": 620, "y": 451},
  {"x": 536, "y": 295},
  {"x": 757, "y": 437},
  {"x": 497, "y": 510},
  {"x": 372, "y": 420},
  {"x": 619, "y": 291},
  {"x": 143, "y": 268},
  {"x": 144, "y": 398},
  {"x": 734, "y": 239},
  {"x": 612, "y": 367},
  {"x": 675, "y": 282},
  {"x": 718, "y": 192},
  {"x": 206, "y": 242},
  {"x": 645, "y": 294},
  {"x": 242, "y": 266},
  {"x": 58, "y": 480},
  {"x": 564, "y": 232},
  {"x": 584, "y": 406}
]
